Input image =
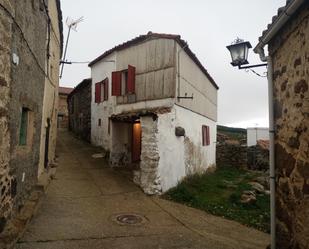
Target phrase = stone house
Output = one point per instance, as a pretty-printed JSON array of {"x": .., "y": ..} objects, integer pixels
[
  {"x": 29, "y": 61},
  {"x": 79, "y": 103},
  {"x": 154, "y": 108},
  {"x": 63, "y": 111},
  {"x": 287, "y": 38}
]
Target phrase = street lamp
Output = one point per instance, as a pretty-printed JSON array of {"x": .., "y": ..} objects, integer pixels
[
  {"x": 239, "y": 50},
  {"x": 239, "y": 53}
]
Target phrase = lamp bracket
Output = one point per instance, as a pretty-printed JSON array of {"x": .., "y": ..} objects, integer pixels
[
  {"x": 252, "y": 66},
  {"x": 185, "y": 97}
]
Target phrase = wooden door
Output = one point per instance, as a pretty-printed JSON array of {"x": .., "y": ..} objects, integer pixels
[{"x": 136, "y": 142}]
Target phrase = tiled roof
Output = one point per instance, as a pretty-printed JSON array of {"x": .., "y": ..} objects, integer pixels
[
  {"x": 151, "y": 35},
  {"x": 65, "y": 90},
  {"x": 81, "y": 85},
  {"x": 281, "y": 11},
  {"x": 274, "y": 18}
]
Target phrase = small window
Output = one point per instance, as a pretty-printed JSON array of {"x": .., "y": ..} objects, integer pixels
[
  {"x": 123, "y": 82},
  {"x": 101, "y": 91},
  {"x": 23, "y": 127},
  {"x": 97, "y": 93},
  {"x": 205, "y": 135},
  {"x": 99, "y": 122}
]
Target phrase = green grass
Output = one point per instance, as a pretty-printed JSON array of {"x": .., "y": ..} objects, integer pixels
[{"x": 219, "y": 193}]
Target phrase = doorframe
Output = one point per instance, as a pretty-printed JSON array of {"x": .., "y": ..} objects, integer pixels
[{"x": 132, "y": 143}]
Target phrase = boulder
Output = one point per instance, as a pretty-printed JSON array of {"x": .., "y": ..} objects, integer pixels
[
  {"x": 248, "y": 197},
  {"x": 264, "y": 180},
  {"x": 259, "y": 188}
]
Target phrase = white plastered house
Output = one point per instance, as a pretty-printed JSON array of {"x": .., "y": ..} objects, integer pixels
[{"x": 154, "y": 106}]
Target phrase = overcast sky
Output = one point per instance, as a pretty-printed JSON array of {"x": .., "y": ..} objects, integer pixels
[{"x": 207, "y": 25}]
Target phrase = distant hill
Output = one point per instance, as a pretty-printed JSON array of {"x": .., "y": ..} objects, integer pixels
[{"x": 232, "y": 133}]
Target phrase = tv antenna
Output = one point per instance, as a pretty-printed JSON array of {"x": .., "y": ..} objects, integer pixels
[{"x": 72, "y": 25}]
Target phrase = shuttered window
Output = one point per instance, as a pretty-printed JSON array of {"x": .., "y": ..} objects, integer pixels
[
  {"x": 97, "y": 93},
  {"x": 205, "y": 135},
  {"x": 116, "y": 83},
  {"x": 101, "y": 91},
  {"x": 105, "y": 86},
  {"x": 123, "y": 82},
  {"x": 131, "y": 79}
]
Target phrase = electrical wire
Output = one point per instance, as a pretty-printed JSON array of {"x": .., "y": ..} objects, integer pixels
[{"x": 256, "y": 73}]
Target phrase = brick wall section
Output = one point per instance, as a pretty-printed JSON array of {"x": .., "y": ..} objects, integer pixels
[
  {"x": 5, "y": 82},
  {"x": 290, "y": 53},
  {"x": 79, "y": 102}
]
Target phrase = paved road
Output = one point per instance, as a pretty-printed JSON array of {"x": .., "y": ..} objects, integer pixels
[{"x": 82, "y": 204}]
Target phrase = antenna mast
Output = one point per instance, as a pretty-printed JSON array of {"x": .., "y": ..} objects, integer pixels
[{"x": 71, "y": 25}]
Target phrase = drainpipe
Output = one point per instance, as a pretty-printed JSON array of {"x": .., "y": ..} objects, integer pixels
[
  {"x": 259, "y": 49},
  {"x": 178, "y": 70},
  {"x": 272, "y": 174},
  {"x": 272, "y": 154}
]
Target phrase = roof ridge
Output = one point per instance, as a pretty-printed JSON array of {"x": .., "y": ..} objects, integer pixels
[{"x": 149, "y": 35}]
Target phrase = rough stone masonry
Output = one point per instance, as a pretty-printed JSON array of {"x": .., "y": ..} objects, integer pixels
[
  {"x": 290, "y": 53},
  {"x": 6, "y": 179},
  {"x": 22, "y": 77}
]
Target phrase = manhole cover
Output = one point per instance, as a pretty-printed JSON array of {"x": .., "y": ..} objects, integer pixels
[{"x": 129, "y": 219}]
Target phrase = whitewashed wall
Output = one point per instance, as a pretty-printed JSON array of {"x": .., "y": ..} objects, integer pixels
[
  {"x": 175, "y": 161},
  {"x": 194, "y": 81},
  {"x": 256, "y": 133},
  {"x": 179, "y": 156},
  {"x": 99, "y": 71}
]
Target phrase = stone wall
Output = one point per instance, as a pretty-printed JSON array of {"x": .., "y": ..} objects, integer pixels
[
  {"x": 290, "y": 53},
  {"x": 231, "y": 155},
  {"x": 6, "y": 178},
  {"x": 79, "y": 102},
  {"x": 27, "y": 91},
  {"x": 149, "y": 177},
  {"x": 258, "y": 158},
  {"x": 63, "y": 114},
  {"x": 23, "y": 53}
]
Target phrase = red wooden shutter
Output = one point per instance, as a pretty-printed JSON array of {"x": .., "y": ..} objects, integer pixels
[
  {"x": 203, "y": 136},
  {"x": 207, "y": 135},
  {"x": 116, "y": 83},
  {"x": 97, "y": 93},
  {"x": 106, "y": 89},
  {"x": 131, "y": 79}
]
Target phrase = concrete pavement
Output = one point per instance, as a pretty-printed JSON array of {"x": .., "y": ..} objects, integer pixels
[{"x": 82, "y": 204}]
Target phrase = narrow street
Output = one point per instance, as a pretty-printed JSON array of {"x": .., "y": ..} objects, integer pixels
[{"x": 82, "y": 204}]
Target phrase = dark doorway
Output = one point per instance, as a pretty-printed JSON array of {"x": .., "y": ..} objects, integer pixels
[
  {"x": 136, "y": 142},
  {"x": 47, "y": 143}
]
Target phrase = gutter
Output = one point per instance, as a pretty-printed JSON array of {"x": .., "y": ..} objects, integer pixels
[{"x": 288, "y": 11}]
